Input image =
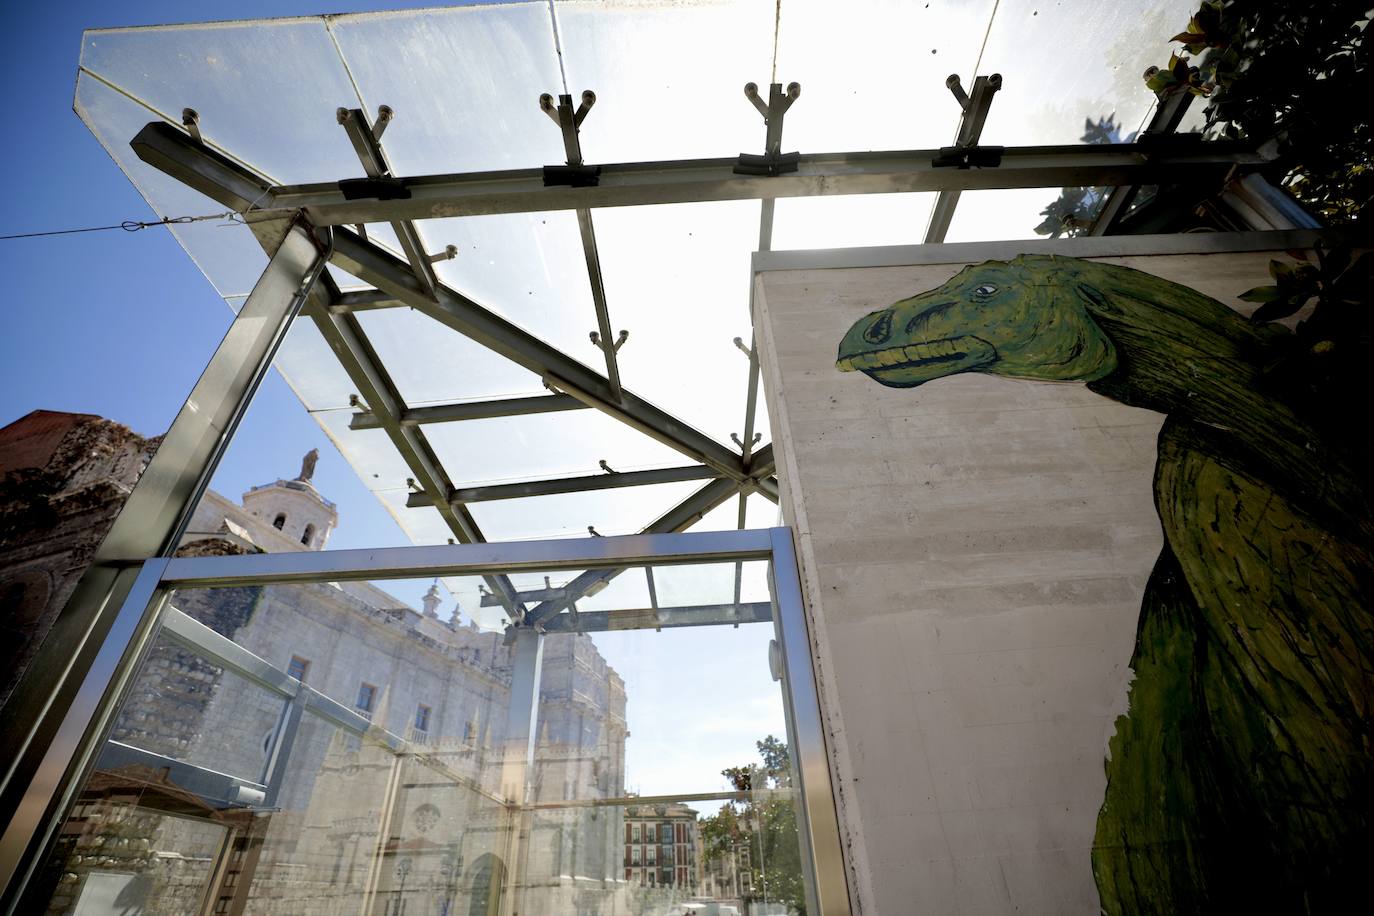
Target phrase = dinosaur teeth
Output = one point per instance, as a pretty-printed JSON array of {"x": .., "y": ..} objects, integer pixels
[{"x": 899, "y": 356}]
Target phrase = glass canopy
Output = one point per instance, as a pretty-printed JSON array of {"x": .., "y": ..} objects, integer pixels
[{"x": 464, "y": 85}]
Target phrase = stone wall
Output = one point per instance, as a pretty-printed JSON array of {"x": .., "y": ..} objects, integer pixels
[{"x": 63, "y": 479}]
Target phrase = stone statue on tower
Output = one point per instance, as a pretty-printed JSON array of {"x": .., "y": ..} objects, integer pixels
[{"x": 308, "y": 465}]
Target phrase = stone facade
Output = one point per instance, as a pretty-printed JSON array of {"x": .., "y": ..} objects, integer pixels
[{"x": 63, "y": 479}]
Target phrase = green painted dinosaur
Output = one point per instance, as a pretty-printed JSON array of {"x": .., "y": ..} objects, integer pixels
[{"x": 1242, "y": 777}]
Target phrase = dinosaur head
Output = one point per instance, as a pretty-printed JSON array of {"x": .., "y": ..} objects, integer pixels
[{"x": 1025, "y": 318}]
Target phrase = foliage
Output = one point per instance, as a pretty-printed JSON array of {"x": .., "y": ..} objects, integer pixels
[
  {"x": 1073, "y": 213},
  {"x": 1323, "y": 365},
  {"x": 1292, "y": 72},
  {"x": 765, "y": 824}
]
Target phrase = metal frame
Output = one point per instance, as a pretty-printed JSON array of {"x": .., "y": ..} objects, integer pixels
[
  {"x": 147, "y": 607},
  {"x": 98, "y": 636},
  {"x": 84, "y": 664}
]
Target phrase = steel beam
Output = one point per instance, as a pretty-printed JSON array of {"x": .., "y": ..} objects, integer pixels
[
  {"x": 365, "y": 300},
  {"x": 648, "y": 618},
  {"x": 55, "y": 709},
  {"x": 375, "y": 164},
  {"x": 685, "y": 181},
  {"x": 472, "y": 410},
  {"x": 569, "y": 485},
  {"x": 345, "y": 337},
  {"x": 454, "y": 310},
  {"x": 679, "y": 518}
]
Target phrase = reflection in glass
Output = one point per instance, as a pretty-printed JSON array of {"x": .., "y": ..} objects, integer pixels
[{"x": 325, "y": 749}]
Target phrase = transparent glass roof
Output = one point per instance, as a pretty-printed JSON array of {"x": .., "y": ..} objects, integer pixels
[{"x": 464, "y": 85}]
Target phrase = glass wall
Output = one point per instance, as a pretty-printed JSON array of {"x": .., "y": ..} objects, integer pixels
[{"x": 322, "y": 748}]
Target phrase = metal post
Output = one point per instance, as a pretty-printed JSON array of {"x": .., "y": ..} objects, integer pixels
[
  {"x": 818, "y": 824},
  {"x": 522, "y": 733},
  {"x": 57, "y": 707}
]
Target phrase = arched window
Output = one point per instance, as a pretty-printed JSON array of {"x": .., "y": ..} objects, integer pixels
[
  {"x": 279, "y": 521},
  {"x": 308, "y": 535}
]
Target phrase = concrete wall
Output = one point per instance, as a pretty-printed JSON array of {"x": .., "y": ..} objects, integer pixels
[{"x": 974, "y": 555}]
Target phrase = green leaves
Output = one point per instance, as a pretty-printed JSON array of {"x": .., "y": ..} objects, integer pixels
[
  {"x": 1295, "y": 286},
  {"x": 1177, "y": 77},
  {"x": 1205, "y": 29}
]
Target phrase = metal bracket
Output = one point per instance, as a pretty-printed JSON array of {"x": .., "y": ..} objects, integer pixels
[
  {"x": 739, "y": 342},
  {"x": 734, "y": 437},
  {"x": 575, "y": 174},
  {"x": 595, "y": 337},
  {"x": 448, "y": 254},
  {"x": 966, "y": 153},
  {"x": 773, "y": 161},
  {"x": 190, "y": 119}
]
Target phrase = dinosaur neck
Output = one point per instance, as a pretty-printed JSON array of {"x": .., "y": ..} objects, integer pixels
[{"x": 1190, "y": 357}]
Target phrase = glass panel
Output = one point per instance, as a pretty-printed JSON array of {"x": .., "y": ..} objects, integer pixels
[
  {"x": 563, "y": 444},
  {"x": 984, "y": 216},
  {"x": 1046, "y": 97},
  {"x": 184, "y": 707},
  {"x": 467, "y": 99},
  {"x": 526, "y": 267},
  {"x": 225, "y": 71},
  {"x": 655, "y": 98},
  {"x": 677, "y": 278},
  {"x": 228, "y": 255},
  {"x": 418, "y": 796},
  {"x": 847, "y": 222},
  {"x": 873, "y": 78},
  {"x": 610, "y": 512},
  {"x": 430, "y": 363}
]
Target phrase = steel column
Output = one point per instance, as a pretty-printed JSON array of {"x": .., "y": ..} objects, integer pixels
[
  {"x": 55, "y": 708},
  {"x": 818, "y": 823}
]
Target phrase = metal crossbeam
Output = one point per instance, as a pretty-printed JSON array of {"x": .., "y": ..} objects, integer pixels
[
  {"x": 679, "y": 518},
  {"x": 351, "y": 347},
  {"x": 664, "y": 618},
  {"x": 569, "y": 485},
  {"x": 375, "y": 164},
  {"x": 472, "y": 410},
  {"x": 686, "y": 181},
  {"x": 365, "y": 300},
  {"x": 377, "y": 266}
]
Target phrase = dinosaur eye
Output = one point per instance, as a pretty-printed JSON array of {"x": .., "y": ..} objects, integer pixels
[{"x": 984, "y": 292}]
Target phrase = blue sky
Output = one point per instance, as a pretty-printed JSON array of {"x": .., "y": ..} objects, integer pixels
[{"x": 121, "y": 324}]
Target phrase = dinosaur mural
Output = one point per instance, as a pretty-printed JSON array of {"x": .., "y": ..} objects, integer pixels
[{"x": 1242, "y": 776}]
